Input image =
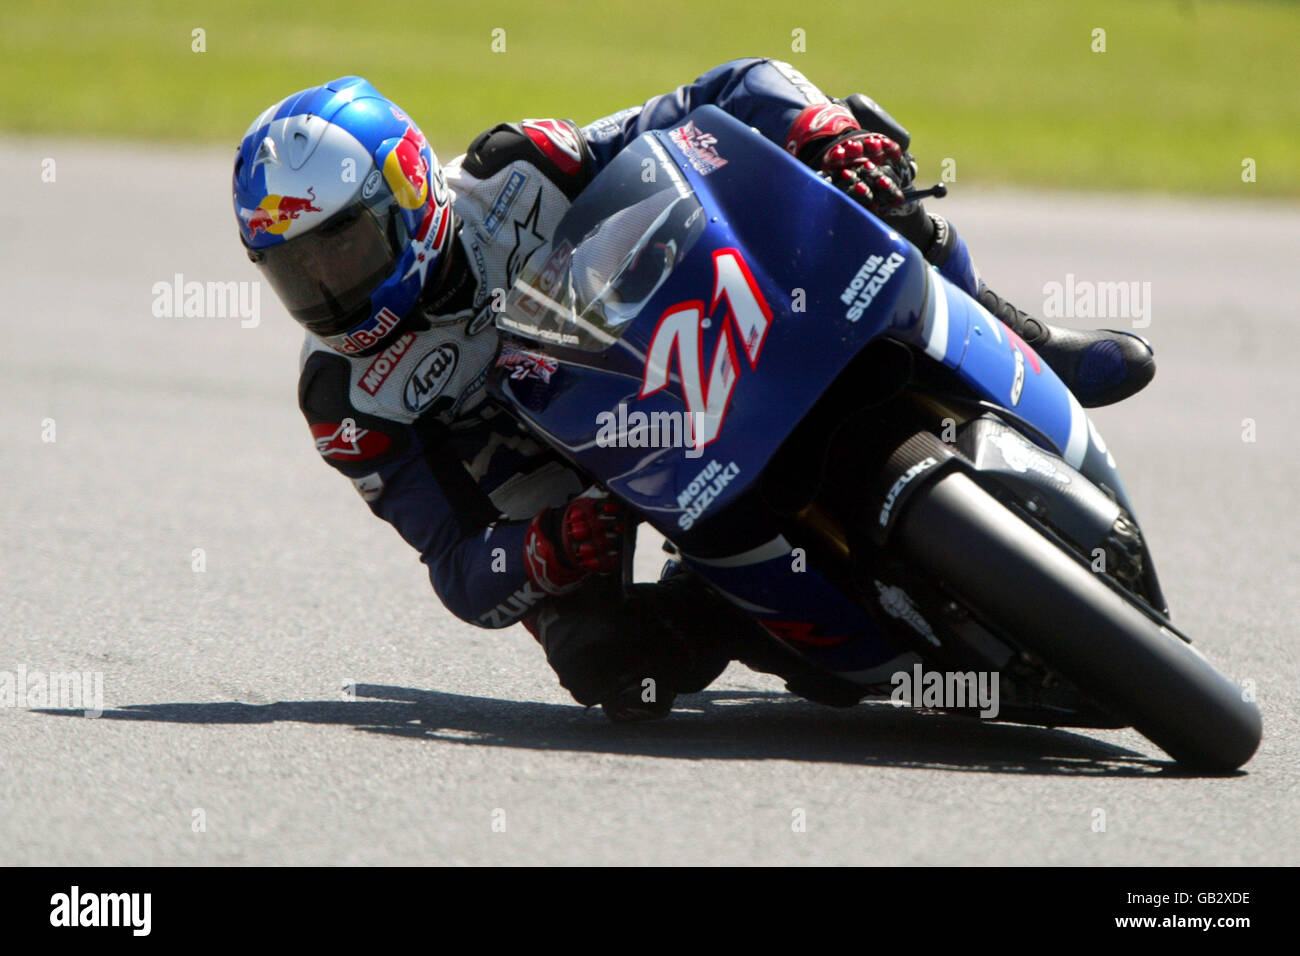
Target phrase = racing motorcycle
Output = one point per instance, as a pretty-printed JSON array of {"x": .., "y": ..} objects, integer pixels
[{"x": 846, "y": 446}]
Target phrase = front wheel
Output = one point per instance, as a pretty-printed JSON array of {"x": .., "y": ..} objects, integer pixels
[{"x": 1054, "y": 607}]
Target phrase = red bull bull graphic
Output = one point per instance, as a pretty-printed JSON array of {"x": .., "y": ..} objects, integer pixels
[
  {"x": 274, "y": 214},
  {"x": 407, "y": 171}
]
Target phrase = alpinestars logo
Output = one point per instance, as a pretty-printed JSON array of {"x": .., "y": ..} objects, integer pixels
[
  {"x": 827, "y": 114},
  {"x": 681, "y": 332},
  {"x": 345, "y": 441},
  {"x": 527, "y": 239}
]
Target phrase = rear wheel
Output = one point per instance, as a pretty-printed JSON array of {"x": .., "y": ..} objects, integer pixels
[{"x": 1057, "y": 609}]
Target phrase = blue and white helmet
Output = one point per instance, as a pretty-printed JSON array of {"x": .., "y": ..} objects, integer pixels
[{"x": 342, "y": 204}]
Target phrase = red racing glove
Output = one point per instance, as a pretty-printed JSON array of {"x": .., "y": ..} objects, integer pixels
[
  {"x": 870, "y": 167},
  {"x": 564, "y": 546}
]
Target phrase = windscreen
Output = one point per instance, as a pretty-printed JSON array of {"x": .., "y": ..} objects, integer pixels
[{"x": 611, "y": 252}]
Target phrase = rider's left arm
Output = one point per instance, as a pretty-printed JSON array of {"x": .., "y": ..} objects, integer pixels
[{"x": 763, "y": 93}]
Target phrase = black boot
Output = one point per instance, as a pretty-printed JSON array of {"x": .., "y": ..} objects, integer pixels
[{"x": 1100, "y": 366}]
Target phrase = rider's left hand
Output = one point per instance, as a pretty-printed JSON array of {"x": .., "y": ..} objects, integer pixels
[{"x": 870, "y": 167}]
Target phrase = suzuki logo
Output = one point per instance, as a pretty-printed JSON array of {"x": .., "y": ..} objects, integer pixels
[{"x": 681, "y": 332}]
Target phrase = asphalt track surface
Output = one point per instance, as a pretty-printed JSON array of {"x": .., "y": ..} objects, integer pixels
[{"x": 224, "y": 688}]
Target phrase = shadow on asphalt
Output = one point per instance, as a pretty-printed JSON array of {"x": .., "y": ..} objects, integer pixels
[{"x": 714, "y": 725}]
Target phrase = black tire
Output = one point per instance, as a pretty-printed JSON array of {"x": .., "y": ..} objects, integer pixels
[{"x": 1059, "y": 610}]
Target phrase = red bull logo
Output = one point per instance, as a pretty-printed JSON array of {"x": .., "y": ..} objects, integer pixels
[
  {"x": 370, "y": 332},
  {"x": 274, "y": 214},
  {"x": 407, "y": 171}
]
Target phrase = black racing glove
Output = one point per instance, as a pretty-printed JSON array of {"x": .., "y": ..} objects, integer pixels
[
  {"x": 869, "y": 167},
  {"x": 564, "y": 546}
]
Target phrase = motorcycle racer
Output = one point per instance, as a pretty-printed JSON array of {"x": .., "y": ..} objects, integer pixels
[{"x": 395, "y": 266}]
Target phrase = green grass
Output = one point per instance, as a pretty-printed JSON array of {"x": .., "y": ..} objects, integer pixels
[{"x": 1012, "y": 92}]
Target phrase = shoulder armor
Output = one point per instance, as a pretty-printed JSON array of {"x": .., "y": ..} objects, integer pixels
[
  {"x": 351, "y": 441},
  {"x": 555, "y": 147}
]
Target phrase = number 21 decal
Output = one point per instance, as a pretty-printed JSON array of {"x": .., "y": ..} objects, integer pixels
[{"x": 680, "y": 332}]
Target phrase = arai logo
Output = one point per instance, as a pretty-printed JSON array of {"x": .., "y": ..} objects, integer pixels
[{"x": 430, "y": 377}]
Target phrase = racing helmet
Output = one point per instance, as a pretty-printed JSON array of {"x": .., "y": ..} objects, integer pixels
[{"x": 342, "y": 205}]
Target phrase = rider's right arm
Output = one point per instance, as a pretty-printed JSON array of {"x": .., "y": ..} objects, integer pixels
[
  {"x": 476, "y": 567},
  {"x": 475, "y": 561}
]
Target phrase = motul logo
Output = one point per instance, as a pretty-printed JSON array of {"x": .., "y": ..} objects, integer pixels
[
  {"x": 680, "y": 332},
  {"x": 372, "y": 380}
]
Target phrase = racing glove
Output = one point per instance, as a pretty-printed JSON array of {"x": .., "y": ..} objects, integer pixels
[
  {"x": 870, "y": 167},
  {"x": 564, "y": 546},
  {"x": 830, "y": 139}
]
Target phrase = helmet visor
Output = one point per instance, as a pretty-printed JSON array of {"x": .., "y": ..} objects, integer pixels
[{"x": 325, "y": 277}]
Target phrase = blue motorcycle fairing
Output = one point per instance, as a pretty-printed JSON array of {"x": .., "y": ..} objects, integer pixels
[
  {"x": 782, "y": 288},
  {"x": 805, "y": 245},
  {"x": 800, "y": 606},
  {"x": 824, "y": 240},
  {"x": 1001, "y": 368}
]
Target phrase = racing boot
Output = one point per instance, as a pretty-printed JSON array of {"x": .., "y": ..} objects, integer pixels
[
  {"x": 875, "y": 169},
  {"x": 685, "y": 641},
  {"x": 1100, "y": 366},
  {"x": 631, "y": 706}
]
